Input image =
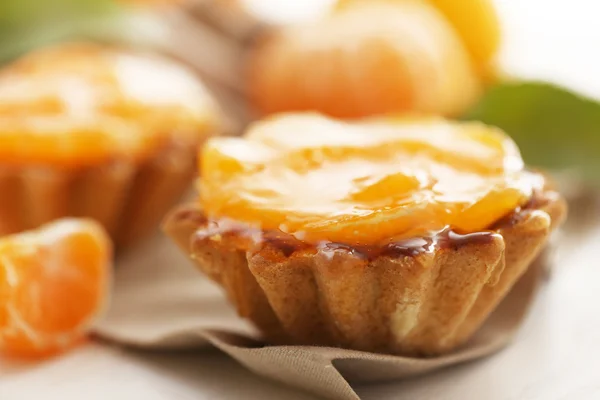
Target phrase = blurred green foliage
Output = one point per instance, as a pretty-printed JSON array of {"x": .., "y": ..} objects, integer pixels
[
  {"x": 553, "y": 127},
  {"x": 25, "y": 13},
  {"x": 25, "y": 24}
]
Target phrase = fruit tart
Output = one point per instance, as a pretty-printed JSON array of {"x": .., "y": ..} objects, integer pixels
[
  {"x": 94, "y": 131},
  {"x": 391, "y": 235}
]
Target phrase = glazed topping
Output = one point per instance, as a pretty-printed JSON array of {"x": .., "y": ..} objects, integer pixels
[
  {"x": 363, "y": 183},
  {"x": 77, "y": 104}
]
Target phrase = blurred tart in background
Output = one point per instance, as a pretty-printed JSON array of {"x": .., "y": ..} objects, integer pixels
[
  {"x": 396, "y": 236},
  {"x": 100, "y": 132}
]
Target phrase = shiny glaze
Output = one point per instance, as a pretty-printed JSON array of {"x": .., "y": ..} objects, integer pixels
[
  {"x": 445, "y": 239},
  {"x": 78, "y": 104},
  {"x": 324, "y": 180},
  {"x": 253, "y": 239}
]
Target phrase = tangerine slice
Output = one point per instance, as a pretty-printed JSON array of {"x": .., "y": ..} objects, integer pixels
[
  {"x": 54, "y": 281},
  {"x": 364, "y": 182}
]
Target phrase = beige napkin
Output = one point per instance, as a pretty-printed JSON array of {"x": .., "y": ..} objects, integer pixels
[{"x": 161, "y": 302}]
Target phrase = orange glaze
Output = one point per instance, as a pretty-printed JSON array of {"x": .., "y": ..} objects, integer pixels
[
  {"x": 80, "y": 104},
  {"x": 363, "y": 183}
]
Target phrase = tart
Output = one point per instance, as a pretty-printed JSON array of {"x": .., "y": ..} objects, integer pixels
[
  {"x": 397, "y": 236},
  {"x": 100, "y": 132}
]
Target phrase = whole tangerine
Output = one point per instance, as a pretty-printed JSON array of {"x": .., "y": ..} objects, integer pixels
[{"x": 377, "y": 57}]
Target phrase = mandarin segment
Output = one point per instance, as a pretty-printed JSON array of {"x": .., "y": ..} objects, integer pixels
[
  {"x": 54, "y": 282},
  {"x": 373, "y": 58},
  {"x": 322, "y": 179},
  {"x": 477, "y": 23}
]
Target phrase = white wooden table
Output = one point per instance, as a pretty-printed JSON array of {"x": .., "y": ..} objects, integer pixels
[{"x": 555, "y": 357}]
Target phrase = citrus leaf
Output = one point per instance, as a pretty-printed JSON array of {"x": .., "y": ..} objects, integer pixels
[
  {"x": 554, "y": 127},
  {"x": 26, "y": 24}
]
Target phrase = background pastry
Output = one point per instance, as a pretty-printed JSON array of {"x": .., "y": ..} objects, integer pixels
[{"x": 100, "y": 132}]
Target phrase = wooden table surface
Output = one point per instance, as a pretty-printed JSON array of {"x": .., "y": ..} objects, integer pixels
[{"x": 556, "y": 356}]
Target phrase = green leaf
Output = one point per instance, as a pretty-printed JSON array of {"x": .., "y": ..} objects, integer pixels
[
  {"x": 554, "y": 128},
  {"x": 26, "y": 24},
  {"x": 16, "y": 14}
]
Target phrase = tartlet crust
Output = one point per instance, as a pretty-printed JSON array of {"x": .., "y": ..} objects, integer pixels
[
  {"x": 426, "y": 303},
  {"x": 128, "y": 198}
]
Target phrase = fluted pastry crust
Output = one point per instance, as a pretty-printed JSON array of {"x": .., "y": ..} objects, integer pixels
[
  {"x": 127, "y": 198},
  {"x": 422, "y": 300}
]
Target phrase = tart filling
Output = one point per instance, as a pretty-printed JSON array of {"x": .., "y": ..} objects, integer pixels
[
  {"x": 80, "y": 104},
  {"x": 249, "y": 238},
  {"x": 368, "y": 183}
]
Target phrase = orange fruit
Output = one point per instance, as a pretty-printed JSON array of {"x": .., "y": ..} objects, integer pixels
[
  {"x": 53, "y": 283},
  {"x": 475, "y": 21},
  {"x": 372, "y": 58}
]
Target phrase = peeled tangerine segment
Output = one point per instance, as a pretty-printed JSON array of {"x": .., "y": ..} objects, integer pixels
[
  {"x": 364, "y": 182},
  {"x": 477, "y": 23},
  {"x": 53, "y": 283}
]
